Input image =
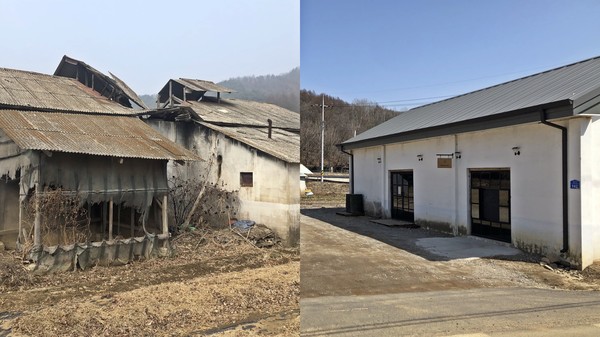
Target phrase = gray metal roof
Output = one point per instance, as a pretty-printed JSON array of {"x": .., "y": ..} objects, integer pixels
[
  {"x": 29, "y": 90},
  {"x": 283, "y": 145},
  {"x": 104, "y": 135},
  {"x": 577, "y": 83}
]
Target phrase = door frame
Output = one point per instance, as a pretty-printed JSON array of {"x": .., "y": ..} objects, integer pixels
[
  {"x": 405, "y": 214},
  {"x": 498, "y": 227}
]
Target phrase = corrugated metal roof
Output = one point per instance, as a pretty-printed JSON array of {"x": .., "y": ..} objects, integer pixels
[
  {"x": 572, "y": 82},
  {"x": 202, "y": 85},
  {"x": 242, "y": 112},
  {"x": 104, "y": 135},
  {"x": 283, "y": 145},
  {"x": 24, "y": 89}
]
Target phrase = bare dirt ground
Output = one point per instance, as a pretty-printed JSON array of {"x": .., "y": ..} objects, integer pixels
[
  {"x": 352, "y": 256},
  {"x": 218, "y": 284}
]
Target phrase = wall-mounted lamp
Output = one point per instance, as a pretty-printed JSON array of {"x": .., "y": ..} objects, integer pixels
[
  {"x": 420, "y": 157},
  {"x": 378, "y": 160},
  {"x": 445, "y": 155},
  {"x": 516, "y": 151},
  {"x": 457, "y": 155}
]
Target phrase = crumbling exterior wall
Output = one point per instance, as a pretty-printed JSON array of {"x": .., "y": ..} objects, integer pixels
[
  {"x": 9, "y": 212},
  {"x": 273, "y": 198}
]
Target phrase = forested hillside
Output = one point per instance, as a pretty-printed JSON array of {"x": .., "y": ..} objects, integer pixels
[
  {"x": 342, "y": 120},
  {"x": 282, "y": 90}
]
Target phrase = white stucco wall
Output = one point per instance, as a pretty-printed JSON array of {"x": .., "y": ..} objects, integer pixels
[
  {"x": 589, "y": 235},
  {"x": 442, "y": 194},
  {"x": 273, "y": 200}
]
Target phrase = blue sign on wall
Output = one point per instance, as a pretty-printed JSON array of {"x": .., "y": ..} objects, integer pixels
[{"x": 575, "y": 184}]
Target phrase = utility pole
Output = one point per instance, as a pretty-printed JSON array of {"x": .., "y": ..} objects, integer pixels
[
  {"x": 323, "y": 106},
  {"x": 322, "y": 135}
]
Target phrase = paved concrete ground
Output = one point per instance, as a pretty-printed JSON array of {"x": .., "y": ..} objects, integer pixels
[
  {"x": 475, "y": 312},
  {"x": 464, "y": 247},
  {"x": 360, "y": 278}
]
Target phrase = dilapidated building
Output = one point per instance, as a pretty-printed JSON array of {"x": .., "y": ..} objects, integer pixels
[
  {"x": 59, "y": 134},
  {"x": 251, "y": 148}
]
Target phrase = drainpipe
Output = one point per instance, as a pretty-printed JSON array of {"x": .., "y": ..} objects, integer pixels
[
  {"x": 565, "y": 179},
  {"x": 351, "y": 169},
  {"x": 270, "y": 127}
]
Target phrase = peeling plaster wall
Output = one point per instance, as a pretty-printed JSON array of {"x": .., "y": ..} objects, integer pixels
[
  {"x": 9, "y": 212},
  {"x": 273, "y": 200}
]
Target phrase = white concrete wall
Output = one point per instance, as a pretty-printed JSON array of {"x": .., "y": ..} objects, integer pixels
[
  {"x": 368, "y": 179},
  {"x": 442, "y": 194},
  {"x": 590, "y": 190},
  {"x": 273, "y": 200}
]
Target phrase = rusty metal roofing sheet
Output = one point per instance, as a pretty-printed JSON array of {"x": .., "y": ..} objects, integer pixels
[
  {"x": 242, "y": 112},
  {"x": 104, "y": 135},
  {"x": 24, "y": 89},
  {"x": 576, "y": 82},
  {"x": 202, "y": 85},
  {"x": 283, "y": 145}
]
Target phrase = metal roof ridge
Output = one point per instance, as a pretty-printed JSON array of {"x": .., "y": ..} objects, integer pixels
[{"x": 507, "y": 82}]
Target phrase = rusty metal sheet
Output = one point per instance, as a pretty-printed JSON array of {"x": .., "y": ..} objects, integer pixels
[
  {"x": 24, "y": 89},
  {"x": 283, "y": 145},
  {"x": 104, "y": 135},
  {"x": 202, "y": 85},
  {"x": 128, "y": 91},
  {"x": 243, "y": 112}
]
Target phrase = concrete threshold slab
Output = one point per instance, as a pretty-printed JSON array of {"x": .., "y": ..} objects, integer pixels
[
  {"x": 395, "y": 223},
  {"x": 464, "y": 247}
]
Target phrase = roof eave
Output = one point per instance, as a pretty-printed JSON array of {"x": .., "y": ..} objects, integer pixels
[{"x": 557, "y": 109}]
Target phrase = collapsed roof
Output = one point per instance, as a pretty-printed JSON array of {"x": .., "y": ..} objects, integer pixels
[
  {"x": 246, "y": 121},
  {"x": 112, "y": 87}
]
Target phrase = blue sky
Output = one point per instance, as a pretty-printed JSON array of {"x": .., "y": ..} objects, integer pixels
[
  {"x": 147, "y": 42},
  {"x": 400, "y": 51}
]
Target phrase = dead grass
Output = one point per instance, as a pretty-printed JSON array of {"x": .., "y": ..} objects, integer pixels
[
  {"x": 173, "y": 308},
  {"x": 325, "y": 194},
  {"x": 217, "y": 279}
]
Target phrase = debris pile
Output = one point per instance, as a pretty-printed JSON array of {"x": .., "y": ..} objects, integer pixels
[
  {"x": 12, "y": 272},
  {"x": 257, "y": 234}
]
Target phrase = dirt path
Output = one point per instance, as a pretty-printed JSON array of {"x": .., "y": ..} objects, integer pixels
[
  {"x": 352, "y": 256},
  {"x": 217, "y": 285}
]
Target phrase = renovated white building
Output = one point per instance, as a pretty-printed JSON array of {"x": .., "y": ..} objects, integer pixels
[{"x": 515, "y": 162}]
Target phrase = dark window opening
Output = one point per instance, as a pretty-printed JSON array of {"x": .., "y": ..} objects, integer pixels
[
  {"x": 490, "y": 204},
  {"x": 402, "y": 188},
  {"x": 246, "y": 179}
]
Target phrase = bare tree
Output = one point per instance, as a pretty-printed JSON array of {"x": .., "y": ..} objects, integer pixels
[{"x": 342, "y": 120}]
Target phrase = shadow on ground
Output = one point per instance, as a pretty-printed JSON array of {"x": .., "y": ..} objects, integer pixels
[{"x": 428, "y": 244}]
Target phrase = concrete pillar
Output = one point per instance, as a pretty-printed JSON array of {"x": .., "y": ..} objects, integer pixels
[
  {"x": 37, "y": 222},
  {"x": 110, "y": 219},
  {"x": 165, "y": 220}
]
